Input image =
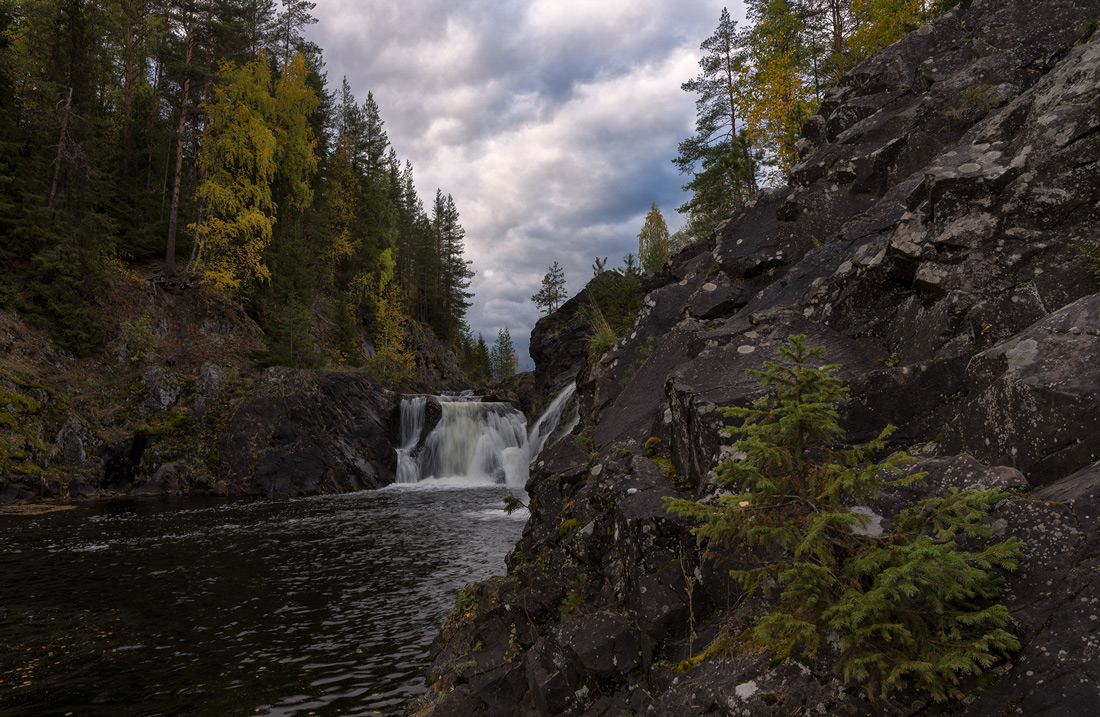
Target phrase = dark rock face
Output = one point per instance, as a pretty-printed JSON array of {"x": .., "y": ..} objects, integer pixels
[
  {"x": 300, "y": 432},
  {"x": 928, "y": 240}
]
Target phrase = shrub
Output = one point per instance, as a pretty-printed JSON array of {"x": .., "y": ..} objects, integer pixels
[{"x": 909, "y": 606}]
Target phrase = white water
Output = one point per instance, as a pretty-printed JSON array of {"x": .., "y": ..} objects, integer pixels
[
  {"x": 412, "y": 425},
  {"x": 551, "y": 418},
  {"x": 474, "y": 442}
]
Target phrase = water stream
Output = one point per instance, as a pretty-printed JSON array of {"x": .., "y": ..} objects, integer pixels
[
  {"x": 323, "y": 605},
  {"x": 476, "y": 439}
]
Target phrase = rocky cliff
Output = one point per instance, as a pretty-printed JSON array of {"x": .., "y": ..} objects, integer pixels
[
  {"x": 174, "y": 405},
  {"x": 929, "y": 238}
]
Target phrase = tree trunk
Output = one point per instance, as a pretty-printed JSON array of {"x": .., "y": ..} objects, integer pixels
[
  {"x": 60, "y": 148},
  {"x": 173, "y": 216}
]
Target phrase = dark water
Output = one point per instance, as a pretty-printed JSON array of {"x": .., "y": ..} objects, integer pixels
[{"x": 320, "y": 605}]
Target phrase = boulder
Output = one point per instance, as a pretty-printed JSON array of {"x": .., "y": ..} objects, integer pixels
[{"x": 300, "y": 432}]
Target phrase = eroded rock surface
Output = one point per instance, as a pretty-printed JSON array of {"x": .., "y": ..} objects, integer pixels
[{"x": 929, "y": 240}]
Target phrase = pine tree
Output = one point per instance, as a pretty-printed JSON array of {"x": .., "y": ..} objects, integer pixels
[
  {"x": 653, "y": 246},
  {"x": 909, "y": 606},
  {"x": 552, "y": 293},
  {"x": 719, "y": 156}
]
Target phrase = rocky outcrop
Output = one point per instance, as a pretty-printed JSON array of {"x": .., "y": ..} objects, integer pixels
[
  {"x": 929, "y": 240},
  {"x": 301, "y": 432},
  {"x": 173, "y": 406}
]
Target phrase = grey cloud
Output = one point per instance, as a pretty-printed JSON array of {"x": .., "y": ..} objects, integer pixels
[{"x": 552, "y": 123}]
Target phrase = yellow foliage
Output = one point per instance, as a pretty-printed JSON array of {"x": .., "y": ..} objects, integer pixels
[
  {"x": 296, "y": 159},
  {"x": 392, "y": 359},
  {"x": 879, "y": 23},
  {"x": 238, "y": 161},
  {"x": 773, "y": 91}
]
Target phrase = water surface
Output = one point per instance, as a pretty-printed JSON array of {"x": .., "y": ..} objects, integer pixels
[{"x": 321, "y": 605}]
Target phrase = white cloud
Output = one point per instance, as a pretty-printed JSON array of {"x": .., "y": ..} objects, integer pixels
[{"x": 553, "y": 123}]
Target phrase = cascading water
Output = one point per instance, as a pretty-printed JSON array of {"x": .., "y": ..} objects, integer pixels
[
  {"x": 483, "y": 441},
  {"x": 413, "y": 411},
  {"x": 551, "y": 421},
  {"x": 473, "y": 439}
]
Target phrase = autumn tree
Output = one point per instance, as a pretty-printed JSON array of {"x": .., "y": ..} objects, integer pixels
[
  {"x": 878, "y": 23},
  {"x": 552, "y": 293},
  {"x": 239, "y": 164},
  {"x": 653, "y": 246},
  {"x": 392, "y": 359},
  {"x": 775, "y": 94}
]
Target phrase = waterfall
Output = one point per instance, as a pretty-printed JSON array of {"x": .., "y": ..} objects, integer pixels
[
  {"x": 550, "y": 423},
  {"x": 413, "y": 411},
  {"x": 473, "y": 439},
  {"x": 482, "y": 441},
  {"x": 478, "y": 440}
]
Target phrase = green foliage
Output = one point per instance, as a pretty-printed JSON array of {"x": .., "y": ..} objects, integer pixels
[
  {"x": 974, "y": 101},
  {"x": 466, "y": 605},
  {"x": 502, "y": 357},
  {"x": 722, "y": 164},
  {"x": 615, "y": 298},
  {"x": 140, "y": 339},
  {"x": 653, "y": 241},
  {"x": 120, "y": 121},
  {"x": 574, "y": 597},
  {"x": 512, "y": 504},
  {"x": 602, "y": 336},
  {"x": 552, "y": 293},
  {"x": 1086, "y": 31},
  {"x": 1093, "y": 254},
  {"x": 909, "y": 606}
]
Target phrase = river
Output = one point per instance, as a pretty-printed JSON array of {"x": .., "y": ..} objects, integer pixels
[{"x": 323, "y": 605}]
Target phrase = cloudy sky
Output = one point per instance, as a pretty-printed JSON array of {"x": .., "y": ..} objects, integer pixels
[{"x": 553, "y": 123}]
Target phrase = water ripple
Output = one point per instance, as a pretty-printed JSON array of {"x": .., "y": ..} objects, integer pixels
[{"x": 325, "y": 604}]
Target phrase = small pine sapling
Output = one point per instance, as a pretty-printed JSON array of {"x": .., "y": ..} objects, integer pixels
[{"x": 909, "y": 606}]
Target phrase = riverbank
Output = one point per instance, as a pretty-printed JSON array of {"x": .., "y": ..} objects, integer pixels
[{"x": 176, "y": 404}]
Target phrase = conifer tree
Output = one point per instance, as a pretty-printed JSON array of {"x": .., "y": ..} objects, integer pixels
[
  {"x": 719, "y": 156},
  {"x": 909, "y": 606},
  {"x": 552, "y": 293},
  {"x": 239, "y": 163},
  {"x": 502, "y": 357}
]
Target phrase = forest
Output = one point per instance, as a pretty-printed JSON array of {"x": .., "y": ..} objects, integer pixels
[{"x": 200, "y": 144}]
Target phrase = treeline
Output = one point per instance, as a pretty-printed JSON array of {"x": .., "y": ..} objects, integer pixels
[
  {"x": 203, "y": 133},
  {"x": 758, "y": 85}
]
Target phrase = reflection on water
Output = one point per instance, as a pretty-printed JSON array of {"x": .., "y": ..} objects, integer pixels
[{"x": 180, "y": 607}]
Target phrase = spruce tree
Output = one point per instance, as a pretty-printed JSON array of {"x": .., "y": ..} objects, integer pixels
[
  {"x": 910, "y": 607},
  {"x": 502, "y": 356}
]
